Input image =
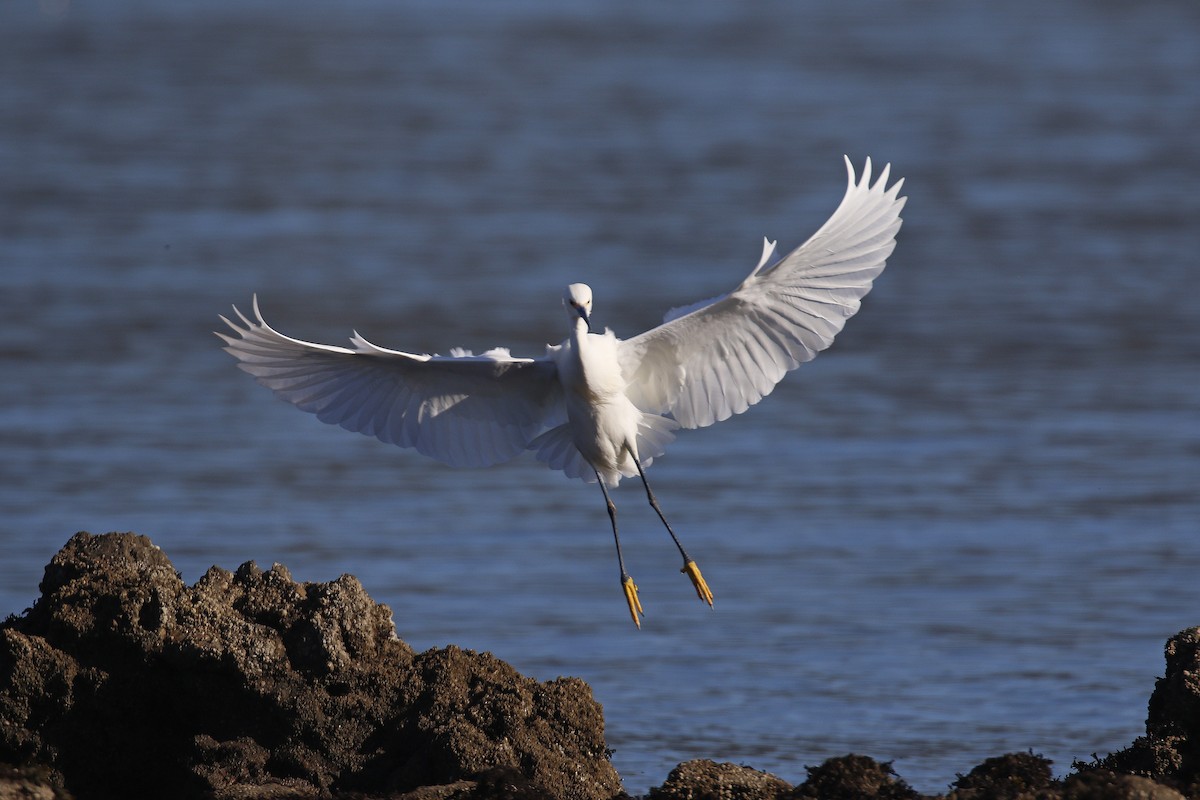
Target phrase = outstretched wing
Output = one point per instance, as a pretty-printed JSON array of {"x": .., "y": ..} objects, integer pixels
[
  {"x": 708, "y": 362},
  {"x": 466, "y": 411}
]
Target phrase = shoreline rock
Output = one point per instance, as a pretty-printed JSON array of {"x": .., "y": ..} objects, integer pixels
[{"x": 122, "y": 681}]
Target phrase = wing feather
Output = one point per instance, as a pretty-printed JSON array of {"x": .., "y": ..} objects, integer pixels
[
  {"x": 462, "y": 410},
  {"x": 711, "y": 360}
]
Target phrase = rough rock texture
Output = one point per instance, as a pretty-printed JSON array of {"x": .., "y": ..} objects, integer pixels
[
  {"x": 1014, "y": 776},
  {"x": 854, "y": 776},
  {"x": 1162, "y": 765},
  {"x": 1104, "y": 785},
  {"x": 1170, "y": 751},
  {"x": 30, "y": 783},
  {"x": 124, "y": 682},
  {"x": 705, "y": 780}
]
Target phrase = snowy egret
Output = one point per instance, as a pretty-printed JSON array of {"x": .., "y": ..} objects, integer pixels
[{"x": 597, "y": 407}]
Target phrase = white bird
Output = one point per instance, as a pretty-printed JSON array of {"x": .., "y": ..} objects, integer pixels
[{"x": 597, "y": 407}]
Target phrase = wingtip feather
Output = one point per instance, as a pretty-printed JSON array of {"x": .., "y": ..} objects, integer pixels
[
  {"x": 242, "y": 317},
  {"x": 881, "y": 184}
]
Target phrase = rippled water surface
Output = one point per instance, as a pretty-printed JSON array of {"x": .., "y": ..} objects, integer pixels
[{"x": 965, "y": 529}]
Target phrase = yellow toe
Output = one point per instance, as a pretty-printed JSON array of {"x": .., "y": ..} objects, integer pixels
[
  {"x": 631, "y": 597},
  {"x": 702, "y": 591}
]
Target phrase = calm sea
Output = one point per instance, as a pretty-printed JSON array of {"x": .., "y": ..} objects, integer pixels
[{"x": 966, "y": 529}]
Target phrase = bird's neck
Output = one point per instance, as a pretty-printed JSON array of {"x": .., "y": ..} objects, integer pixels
[
  {"x": 584, "y": 348},
  {"x": 593, "y": 372},
  {"x": 579, "y": 331}
]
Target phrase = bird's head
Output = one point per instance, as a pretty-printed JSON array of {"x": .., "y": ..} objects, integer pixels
[{"x": 577, "y": 300}]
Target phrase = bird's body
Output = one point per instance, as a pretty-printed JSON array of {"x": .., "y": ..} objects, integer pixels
[
  {"x": 597, "y": 407},
  {"x": 603, "y": 422},
  {"x": 599, "y": 415}
]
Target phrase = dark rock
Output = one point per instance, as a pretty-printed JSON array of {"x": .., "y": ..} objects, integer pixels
[
  {"x": 1015, "y": 776},
  {"x": 505, "y": 783},
  {"x": 1175, "y": 704},
  {"x": 30, "y": 783},
  {"x": 854, "y": 777},
  {"x": 708, "y": 780},
  {"x": 1170, "y": 751},
  {"x": 123, "y": 681},
  {"x": 1104, "y": 785}
]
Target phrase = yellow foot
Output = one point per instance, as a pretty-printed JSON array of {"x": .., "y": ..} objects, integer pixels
[
  {"x": 702, "y": 591},
  {"x": 631, "y": 597}
]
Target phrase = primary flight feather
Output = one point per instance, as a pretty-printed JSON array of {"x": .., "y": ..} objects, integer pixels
[{"x": 597, "y": 407}]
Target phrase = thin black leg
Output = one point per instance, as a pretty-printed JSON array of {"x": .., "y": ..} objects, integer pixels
[
  {"x": 612, "y": 516},
  {"x": 627, "y": 585},
  {"x": 657, "y": 510},
  {"x": 689, "y": 566}
]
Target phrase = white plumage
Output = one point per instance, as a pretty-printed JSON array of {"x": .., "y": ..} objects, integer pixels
[{"x": 597, "y": 407}]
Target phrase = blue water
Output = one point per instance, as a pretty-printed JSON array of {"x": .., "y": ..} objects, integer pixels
[{"x": 966, "y": 529}]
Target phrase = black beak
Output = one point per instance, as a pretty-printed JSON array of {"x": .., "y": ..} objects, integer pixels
[{"x": 583, "y": 315}]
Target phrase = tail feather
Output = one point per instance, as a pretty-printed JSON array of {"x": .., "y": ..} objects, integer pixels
[
  {"x": 556, "y": 449},
  {"x": 653, "y": 436}
]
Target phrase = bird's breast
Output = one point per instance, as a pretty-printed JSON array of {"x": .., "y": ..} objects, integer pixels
[{"x": 588, "y": 368}]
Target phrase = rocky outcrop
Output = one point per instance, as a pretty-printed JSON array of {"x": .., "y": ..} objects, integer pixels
[
  {"x": 123, "y": 681},
  {"x": 703, "y": 778},
  {"x": 850, "y": 777},
  {"x": 1170, "y": 750}
]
